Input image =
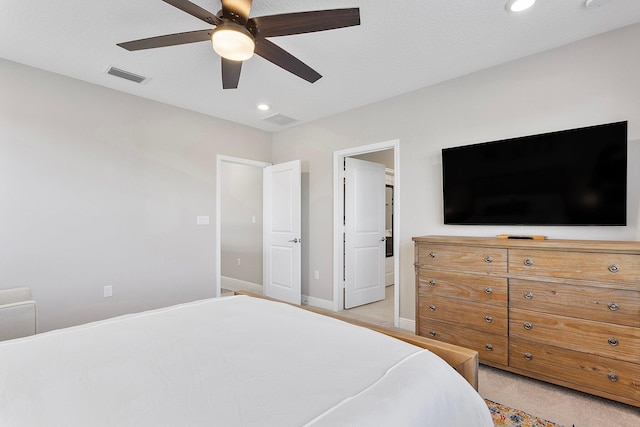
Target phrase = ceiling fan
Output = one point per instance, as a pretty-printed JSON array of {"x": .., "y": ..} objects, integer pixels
[{"x": 237, "y": 37}]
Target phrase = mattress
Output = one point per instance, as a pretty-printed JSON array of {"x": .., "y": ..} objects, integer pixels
[{"x": 233, "y": 361}]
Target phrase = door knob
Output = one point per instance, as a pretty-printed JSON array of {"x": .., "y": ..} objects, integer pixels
[
  {"x": 296, "y": 240},
  {"x": 382, "y": 239}
]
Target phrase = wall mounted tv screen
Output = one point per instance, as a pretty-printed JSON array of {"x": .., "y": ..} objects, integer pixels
[{"x": 570, "y": 177}]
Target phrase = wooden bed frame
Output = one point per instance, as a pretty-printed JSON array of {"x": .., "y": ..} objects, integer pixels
[{"x": 462, "y": 359}]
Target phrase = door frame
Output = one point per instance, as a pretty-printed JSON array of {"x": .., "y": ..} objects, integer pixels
[
  {"x": 338, "y": 226},
  {"x": 219, "y": 160}
]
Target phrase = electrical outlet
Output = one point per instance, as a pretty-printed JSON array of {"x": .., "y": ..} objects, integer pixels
[
  {"x": 108, "y": 291},
  {"x": 316, "y": 275},
  {"x": 238, "y": 262}
]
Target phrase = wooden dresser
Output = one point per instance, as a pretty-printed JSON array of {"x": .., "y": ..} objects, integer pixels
[{"x": 562, "y": 311}]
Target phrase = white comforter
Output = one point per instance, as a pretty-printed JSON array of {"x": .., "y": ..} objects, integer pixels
[{"x": 235, "y": 361}]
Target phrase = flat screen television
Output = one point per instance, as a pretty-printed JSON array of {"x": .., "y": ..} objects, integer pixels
[{"x": 569, "y": 177}]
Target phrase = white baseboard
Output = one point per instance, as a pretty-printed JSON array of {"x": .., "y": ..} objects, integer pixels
[
  {"x": 407, "y": 324},
  {"x": 317, "y": 302},
  {"x": 237, "y": 285}
]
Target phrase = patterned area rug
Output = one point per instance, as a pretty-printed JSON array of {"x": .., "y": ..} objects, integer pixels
[{"x": 503, "y": 416}]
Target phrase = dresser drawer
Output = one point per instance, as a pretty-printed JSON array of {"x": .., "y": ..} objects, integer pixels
[
  {"x": 462, "y": 258},
  {"x": 481, "y": 317},
  {"x": 585, "y": 302},
  {"x": 480, "y": 289},
  {"x": 491, "y": 348},
  {"x": 603, "y": 339},
  {"x": 600, "y": 373},
  {"x": 619, "y": 268}
]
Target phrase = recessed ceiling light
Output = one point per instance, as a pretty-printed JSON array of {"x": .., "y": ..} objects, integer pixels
[
  {"x": 519, "y": 5},
  {"x": 263, "y": 107}
]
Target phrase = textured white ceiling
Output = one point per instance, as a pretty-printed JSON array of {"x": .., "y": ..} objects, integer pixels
[{"x": 401, "y": 45}]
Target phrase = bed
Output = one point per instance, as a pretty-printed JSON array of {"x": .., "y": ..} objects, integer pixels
[{"x": 232, "y": 361}]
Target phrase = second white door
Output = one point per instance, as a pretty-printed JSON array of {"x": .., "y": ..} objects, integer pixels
[
  {"x": 364, "y": 241},
  {"x": 282, "y": 228}
]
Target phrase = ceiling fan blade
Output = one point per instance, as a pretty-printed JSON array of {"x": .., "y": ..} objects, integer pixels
[
  {"x": 236, "y": 10},
  {"x": 168, "y": 40},
  {"x": 195, "y": 10},
  {"x": 230, "y": 73},
  {"x": 305, "y": 22},
  {"x": 284, "y": 59}
]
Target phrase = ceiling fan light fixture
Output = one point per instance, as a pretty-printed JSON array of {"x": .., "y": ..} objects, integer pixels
[
  {"x": 519, "y": 5},
  {"x": 233, "y": 42}
]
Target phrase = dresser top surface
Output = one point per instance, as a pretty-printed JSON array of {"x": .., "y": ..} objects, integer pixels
[{"x": 627, "y": 247}]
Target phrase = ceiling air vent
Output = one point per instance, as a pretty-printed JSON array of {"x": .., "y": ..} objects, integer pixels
[
  {"x": 126, "y": 75},
  {"x": 280, "y": 119}
]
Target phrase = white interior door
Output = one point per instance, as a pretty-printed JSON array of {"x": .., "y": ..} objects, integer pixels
[
  {"x": 282, "y": 239},
  {"x": 364, "y": 205}
]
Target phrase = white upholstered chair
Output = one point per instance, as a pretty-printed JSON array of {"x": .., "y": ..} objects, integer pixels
[{"x": 18, "y": 313}]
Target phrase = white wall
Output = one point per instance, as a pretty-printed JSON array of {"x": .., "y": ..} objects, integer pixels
[
  {"x": 385, "y": 157},
  {"x": 590, "y": 82},
  {"x": 102, "y": 188}
]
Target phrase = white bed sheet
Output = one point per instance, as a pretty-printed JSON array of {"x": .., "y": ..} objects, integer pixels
[{"x": 234, "y": 361}]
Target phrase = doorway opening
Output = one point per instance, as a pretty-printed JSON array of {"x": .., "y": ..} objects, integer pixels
[
  {"x": 389, "y": 151},
  {"x": 239, "y": 225},
  {"x": 258, "y": 225}
]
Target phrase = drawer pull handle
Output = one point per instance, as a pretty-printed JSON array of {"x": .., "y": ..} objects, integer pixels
[
  {"x": 614, "y": 268},
  {"x": 432, "y": 307},
  {"x": 432, "y": 282},
  {"x": 613, "y": 341},
  {"x": 613, "y": 306},
  {"x": 488, "y": 260},
  {"x": 432, "y": 254},
  {"x": 432, "y": 333},
  {"x": 528, "y": 356},
  {"x": 489, "y": 347},
  {"x": 528, "y": 295},
  {"x": 488, "y": 291},
  {"x": 612, "y": 376},
  {"x": 527, "y": 326},
  {"x": 528, "y": 262},
  {"x": 489, "y": 319}
]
